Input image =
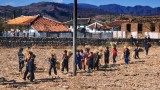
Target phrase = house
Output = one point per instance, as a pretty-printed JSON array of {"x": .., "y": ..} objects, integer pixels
[
  {"x": 116, "y": 28},
  {"x": 141, "y": 27},
  {"x": 81, "y": 23},
  {"x": 37, "y": 26},
  {"x": 116, "y": 25},
  {"x": 97, "y": 27}
]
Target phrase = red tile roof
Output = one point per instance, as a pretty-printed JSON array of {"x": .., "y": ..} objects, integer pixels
[
  {"x": 39, "y": 23},
  {"x": 47, "y": 25},
  {"x": 22, "y": 21}
]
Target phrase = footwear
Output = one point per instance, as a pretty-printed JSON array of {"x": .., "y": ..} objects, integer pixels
[
  {"x": 24, "y": 79},
  {"x": 62, "y": 72},
  {"x": 28, "y": 77},
  {"x": 54, "y": 77},
  {"x": 31, "y": 80}
]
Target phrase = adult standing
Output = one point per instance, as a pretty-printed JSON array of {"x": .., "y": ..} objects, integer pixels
[{"x": 132, "y": 40}]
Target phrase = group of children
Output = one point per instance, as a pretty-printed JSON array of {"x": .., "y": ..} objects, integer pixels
[{"x": 84, "y": 59}]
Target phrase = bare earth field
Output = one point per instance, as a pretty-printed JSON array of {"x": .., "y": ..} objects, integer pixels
[{"x": 141, "y": 74}]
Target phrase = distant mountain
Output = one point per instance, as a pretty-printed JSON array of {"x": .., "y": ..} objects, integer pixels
[
  {"x": 83, "y": 5},
  {"x": 63, "y": 12},
  {"x": 136, "y": 10}
]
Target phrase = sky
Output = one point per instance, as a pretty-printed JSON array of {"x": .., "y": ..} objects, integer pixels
[{"x": 152, "y": 3}]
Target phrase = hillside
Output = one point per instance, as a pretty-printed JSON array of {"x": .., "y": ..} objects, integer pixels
[{"x": 63, "y": 12}]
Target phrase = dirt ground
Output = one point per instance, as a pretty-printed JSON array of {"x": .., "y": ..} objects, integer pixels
[{"x": 141, "y": 74}]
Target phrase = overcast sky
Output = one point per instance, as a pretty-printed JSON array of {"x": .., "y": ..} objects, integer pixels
[{"x": 152, "y": 3}]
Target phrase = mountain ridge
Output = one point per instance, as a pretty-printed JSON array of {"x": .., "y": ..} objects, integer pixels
[{"x": 63, "y": 12}]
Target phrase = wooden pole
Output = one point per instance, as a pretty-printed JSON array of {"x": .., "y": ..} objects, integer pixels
[{"x": 74, "y": 36}]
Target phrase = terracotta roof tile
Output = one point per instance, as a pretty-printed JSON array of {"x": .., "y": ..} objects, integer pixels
[
  {"x": 23, "y": 20},
  {"x": 47, "y": 25}
]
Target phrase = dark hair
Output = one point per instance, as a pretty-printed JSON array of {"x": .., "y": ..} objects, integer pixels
[
  {"x": 78, "y": 50},
  {"x": 107, "y": 47},
  {"x": 81, "y": 51},
  {"x": 21, "y": 49},
  {"x": 28, "y": 47},
  {"x": 115, "y": 48},
  {"x": 65, "y": 51}
]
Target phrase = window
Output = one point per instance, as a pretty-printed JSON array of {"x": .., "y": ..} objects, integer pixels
[
  {"x": 140, "y": 28},
  {"x": 129, "y": 27},
  {"x": 152, "y": 27}
]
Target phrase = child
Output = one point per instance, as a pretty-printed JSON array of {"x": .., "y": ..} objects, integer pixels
[
  {"x": 97, "y": 58},
  {"x": 78, "y": 60},
  {"x": 52, "y": 61},
  {"x": 83, "y": 65},
  {"x": 126, "y": 55},
  {"x": 136, "y": 53},
  {"x": 65, "y": 61},
  {"x": 114, "y": 52},
  {"x": 90, "y": 62},
  {"x": 21, "y": 59},
  {"x": 106, "y": 56}
]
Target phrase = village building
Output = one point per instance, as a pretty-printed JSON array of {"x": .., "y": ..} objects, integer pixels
[
  {"x": 115, "y": 27},
  {"x": 141, "y": 27},
  {"x": 37, "y": 26}
]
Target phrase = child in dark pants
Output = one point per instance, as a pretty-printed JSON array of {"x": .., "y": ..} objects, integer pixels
[
  {"x": 21, "y": 61},
  {"x": 114, "y": 52},
  {"x": 52, "y": 61},
  {"x": 106, "y": 56},
  {"x": 147, "y": 48},
  {"x": 78, "y": 60},
  {"x": 90, "y": 62},
  {"x": 30, "y": 67},
  {"x": 97, "y": 58},
  {"x": 136, "y": 53},
  {"x": 65, "y": 61},
  {"x": 126, "y": 55}
]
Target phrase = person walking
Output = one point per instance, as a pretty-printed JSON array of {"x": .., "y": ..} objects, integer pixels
[
  {"x": 147, "y": 46},
  {"x": 126, "y": 55},
  {"x": 30, "y": 67},
  {"x": 65, "y": 59},
  {"x": 83, "y": 62},
  {"x": 106, "y": 56},
  {"x": 52, "y": 61},
  {"x": 78, "y": 60},
  {"x": 114, "y": 53},
  {"x": 136, "y": 54},
  {"x": 90, "y": 62},
  {"x": 97, "y": 59},
  {"x": 21, "y": 59}
]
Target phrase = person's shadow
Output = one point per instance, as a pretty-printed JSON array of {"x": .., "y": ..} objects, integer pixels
[{"x": 15, "y": 84}]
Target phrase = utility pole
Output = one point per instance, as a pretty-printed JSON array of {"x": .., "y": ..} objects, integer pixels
[{"x": 74, "y": 36}]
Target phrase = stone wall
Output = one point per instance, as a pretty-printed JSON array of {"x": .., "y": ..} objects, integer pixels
[{"x": 21, "y": 42}]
